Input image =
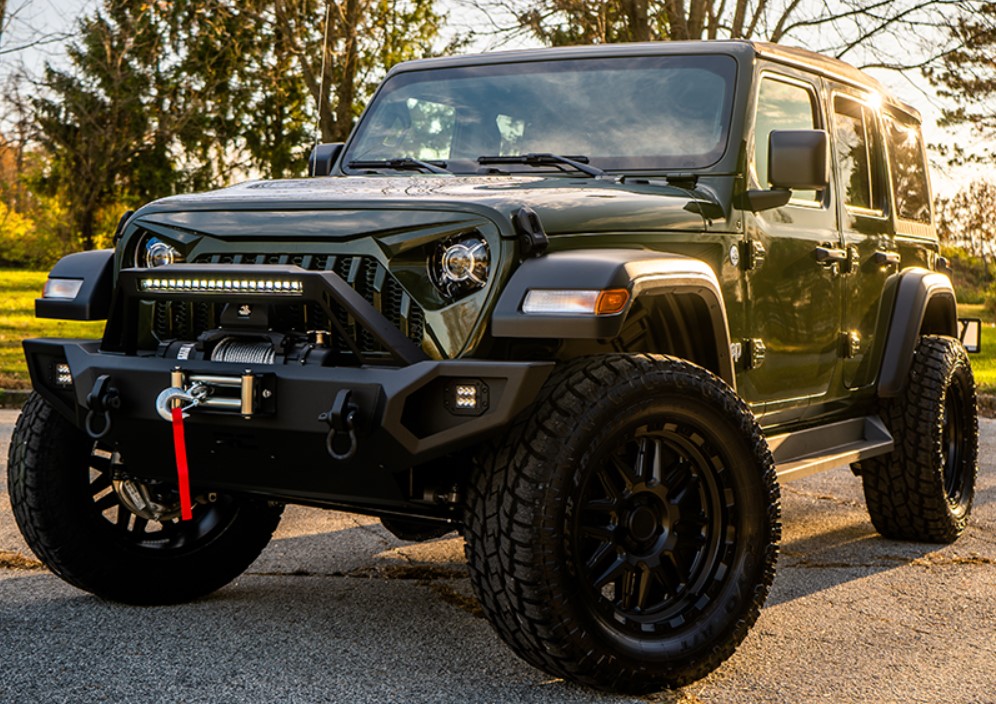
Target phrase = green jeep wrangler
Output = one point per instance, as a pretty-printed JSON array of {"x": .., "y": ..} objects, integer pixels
[{"x": 588, "y": 306}]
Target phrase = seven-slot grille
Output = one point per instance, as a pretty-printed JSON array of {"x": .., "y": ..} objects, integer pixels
[{"x": 174, "y": 319}]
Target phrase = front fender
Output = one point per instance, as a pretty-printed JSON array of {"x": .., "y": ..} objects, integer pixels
[
  {"x": 93, "y": 300},
  {"x": 644, "y": 274}
]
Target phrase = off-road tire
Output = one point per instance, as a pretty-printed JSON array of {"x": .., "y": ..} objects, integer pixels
[
  {"x": 52, "y": 491},
  {"x": 923, "y": 489},
  {"x": 528, "y": 519},
  {"x": 415, "y": 531}
]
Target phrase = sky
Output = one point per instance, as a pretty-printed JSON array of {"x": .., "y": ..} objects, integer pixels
[{"x": 36, "y": 17}]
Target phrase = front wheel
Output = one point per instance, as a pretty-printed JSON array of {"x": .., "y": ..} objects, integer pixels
[
  {"x": 110, "y": 534},
  {"x": 625, "y": 534}
]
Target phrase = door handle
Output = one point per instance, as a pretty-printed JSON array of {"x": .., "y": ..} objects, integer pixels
[
  {"x": 883, "y": 258},
  {"x": 829, "y": 255}
]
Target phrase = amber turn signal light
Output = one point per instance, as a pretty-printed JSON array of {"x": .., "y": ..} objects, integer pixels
[{"x": 611, "y": 301}]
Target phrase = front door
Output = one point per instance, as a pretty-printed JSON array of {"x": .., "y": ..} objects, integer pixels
[{"x": 794, "y": 285}]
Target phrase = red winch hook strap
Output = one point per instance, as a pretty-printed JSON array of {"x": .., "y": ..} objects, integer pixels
[{"x": 182, "y": 472}]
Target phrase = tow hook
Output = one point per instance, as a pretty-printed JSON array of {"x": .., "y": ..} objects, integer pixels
[
  {"x": 102, "y": 399},
  {"x": 184, "y": 399},
  {"x": 341, "y": 419}
]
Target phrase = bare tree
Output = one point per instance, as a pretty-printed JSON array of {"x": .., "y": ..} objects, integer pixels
[{"x": 881, "y": 33}]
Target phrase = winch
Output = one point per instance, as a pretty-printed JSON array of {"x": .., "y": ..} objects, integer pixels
[{"x": 247, "y": 394}]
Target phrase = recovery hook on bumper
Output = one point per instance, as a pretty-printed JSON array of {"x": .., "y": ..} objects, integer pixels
[
  {"x": 341, "y": 419},
  {"x": 102, "y": 399}
]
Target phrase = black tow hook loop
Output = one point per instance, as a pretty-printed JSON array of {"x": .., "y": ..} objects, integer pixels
[
  {"x": 341, "y": 419},
  {"x": 102, "y": 399}
]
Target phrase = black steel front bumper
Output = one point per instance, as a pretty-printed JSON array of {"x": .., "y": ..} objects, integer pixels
[{"x": 403, "y": 420}]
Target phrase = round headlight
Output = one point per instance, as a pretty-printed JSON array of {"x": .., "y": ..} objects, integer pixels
[
  {"x": 153, "y": 252},
  {"x": 460, "y": 265}
]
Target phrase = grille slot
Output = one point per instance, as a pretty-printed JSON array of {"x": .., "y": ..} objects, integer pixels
[{"x": 367, "y": 276}]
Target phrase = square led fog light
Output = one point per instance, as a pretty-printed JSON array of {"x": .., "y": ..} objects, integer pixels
[{"x": 466, "y": 397}]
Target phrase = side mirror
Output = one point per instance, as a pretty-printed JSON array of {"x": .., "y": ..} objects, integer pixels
[
  {"x": 799, "y": 159},
  {"x": 970, "y": 334},
  {"x": 323, "y": 156}
]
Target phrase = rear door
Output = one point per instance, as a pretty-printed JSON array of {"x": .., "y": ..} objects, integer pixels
[{"x": 862, "y": 176}]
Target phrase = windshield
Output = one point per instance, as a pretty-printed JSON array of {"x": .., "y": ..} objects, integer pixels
[{"x": 633, "y": 113}]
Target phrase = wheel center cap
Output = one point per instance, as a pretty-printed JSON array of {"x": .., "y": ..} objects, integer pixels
[{"x": 642, "y": 523}]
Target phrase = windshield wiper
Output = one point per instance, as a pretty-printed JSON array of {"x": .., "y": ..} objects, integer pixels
[
  {"x": 575, "y": 162},
  {"x": 405, "y": 163}
]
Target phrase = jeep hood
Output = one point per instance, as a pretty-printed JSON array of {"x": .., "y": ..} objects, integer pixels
[{"x": 351, "y": 207}]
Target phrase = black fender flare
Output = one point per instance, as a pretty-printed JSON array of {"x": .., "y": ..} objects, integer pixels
[
  {"x": 925, "y": 303},
  {"x": 642, "y": 273},
  {"x": 93, "y": 301}
]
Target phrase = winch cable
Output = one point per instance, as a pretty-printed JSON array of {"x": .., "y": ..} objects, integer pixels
[{"x": 182, "y": 470}]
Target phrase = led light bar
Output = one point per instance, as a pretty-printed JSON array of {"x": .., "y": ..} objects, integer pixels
[{"x": 279, "y": 287}]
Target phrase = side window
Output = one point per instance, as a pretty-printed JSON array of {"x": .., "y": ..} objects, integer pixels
[
  {"x": 856, "y": 138},
  {"x": 782, "y": 106},
  {"x": 909, "y": 170}
]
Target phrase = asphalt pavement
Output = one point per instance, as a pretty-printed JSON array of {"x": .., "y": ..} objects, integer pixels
[{"x": 338, "y": 610}]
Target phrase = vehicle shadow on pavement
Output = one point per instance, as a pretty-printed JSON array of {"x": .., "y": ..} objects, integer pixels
[
  {"x": 826, "y": 560},
  {"x": 380, "y": 633}
]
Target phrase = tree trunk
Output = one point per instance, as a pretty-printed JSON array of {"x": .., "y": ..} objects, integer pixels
[{"x": 346, "y": 89}]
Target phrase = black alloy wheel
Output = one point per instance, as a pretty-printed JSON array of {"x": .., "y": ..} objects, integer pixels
[
  {"x": 107, "y": 533},
  {"x": 624, "y": 534},
  {"x": 654, "y": 532}
]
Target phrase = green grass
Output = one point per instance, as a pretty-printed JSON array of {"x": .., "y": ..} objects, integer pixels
[{"x": 18, "y": 291}]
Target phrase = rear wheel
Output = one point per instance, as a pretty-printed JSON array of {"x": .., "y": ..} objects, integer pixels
[
  {"x": 107, "y": 533},
  {"x": 923, "y": 489},
  {"x": 625, "y": 534}
]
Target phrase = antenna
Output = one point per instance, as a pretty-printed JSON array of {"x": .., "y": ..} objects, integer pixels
[{"x": 321, "y": 84}]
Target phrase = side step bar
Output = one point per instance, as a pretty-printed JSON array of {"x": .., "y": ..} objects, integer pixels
[{"x": 806, "y": 452}]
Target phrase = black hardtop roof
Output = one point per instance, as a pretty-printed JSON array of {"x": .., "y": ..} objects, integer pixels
[{"x": 793, "y": 56}]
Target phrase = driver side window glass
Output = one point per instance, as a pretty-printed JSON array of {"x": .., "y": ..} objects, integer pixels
[
  {"x": 415, "y": 128},
  {"x": 782, "y": 106}
]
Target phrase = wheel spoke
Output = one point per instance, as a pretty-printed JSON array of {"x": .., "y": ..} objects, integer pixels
[
  {"x": 625, "y": 471},
  {"x": 139, "y": 526},
  {"x": 635, "y": 587},
  {"x": 123, "y": 516},
  {"x": 100, "y": 483},
  {"x": 602, "y": 552},
  {"x": 101, "y": 464},
  {"x": 648, "y": 460},
  {"x": 606, "y": 534},
  {"x": 611, "y": 572},
  {"x": 679, "y": 481},
  {"x": 601, "y": 505},
  {"x": 106, "y": 501},
  {"x": 642, "y": 588},
  {"x": 677, "y": 564},
  {"x": 608, "y": 486}
]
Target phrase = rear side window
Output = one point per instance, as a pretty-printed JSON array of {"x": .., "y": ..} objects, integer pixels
[
  {"x": 909, "y": 169},
  {"x": 855, "y": 138},
  {"x": 781, "y": 106}
]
